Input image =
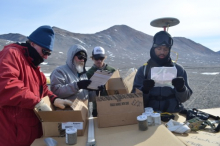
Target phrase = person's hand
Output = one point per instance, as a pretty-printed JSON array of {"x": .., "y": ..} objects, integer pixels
[
  {"x": 178, "y": 83},
  {"x": 83, "y": 84},
  {"x": 147, "y": 85},
  {"x": 41, "y": 106},
  {"x": 101, "y": 88},
  {"x": 61, "y": 103}
]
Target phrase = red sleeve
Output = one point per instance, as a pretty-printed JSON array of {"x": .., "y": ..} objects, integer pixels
[{"x": 12, "y": 90}]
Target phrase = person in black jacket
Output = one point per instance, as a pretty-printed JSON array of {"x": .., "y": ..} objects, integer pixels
[{"x": 162, "y": 98}]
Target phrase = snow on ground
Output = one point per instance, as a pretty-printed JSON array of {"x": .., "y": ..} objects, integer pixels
[{"x": 210, "y": 73}]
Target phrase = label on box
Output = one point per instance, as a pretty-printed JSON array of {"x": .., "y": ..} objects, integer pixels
[{"x": 77, "y": 125}]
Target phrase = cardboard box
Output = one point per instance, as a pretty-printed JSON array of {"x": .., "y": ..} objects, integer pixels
[
  {"x": 129, "y": 79},
  {"x": 120, "y": 107},
  {"x": 118, "y": 110},
  {"x": 113, "y": 82},
  {"x": 130, "y": 135},
  {"x": 118, "y": 85},
  {"x": 53, "y": 121}
]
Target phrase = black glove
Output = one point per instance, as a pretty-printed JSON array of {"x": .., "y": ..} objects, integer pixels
[
  {"x": 178, "y": 83},
  {"x": 101, "y": 88},
  {"x": 83, "y": 84},
  {"x": 147, "y": 85}
]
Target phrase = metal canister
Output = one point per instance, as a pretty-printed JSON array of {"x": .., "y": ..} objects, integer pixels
[{"x": 71, "y": 136}]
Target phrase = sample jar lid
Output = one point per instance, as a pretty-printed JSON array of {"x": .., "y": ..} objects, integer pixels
[
  {"x": 147, "y": 114},
  {"x": 71, "y": 130},
  {"x": 141, "y": 117},
  {"x": 155, "y": 114},
  {"x": 148, "y": 109}
]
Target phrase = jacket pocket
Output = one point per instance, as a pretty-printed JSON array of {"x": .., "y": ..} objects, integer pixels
[{"x": 28, "y": 129}]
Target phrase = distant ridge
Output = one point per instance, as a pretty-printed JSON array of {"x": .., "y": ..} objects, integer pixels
[
  {"x": 13, "y": 37},
  {"x": 125, "y": 48}
]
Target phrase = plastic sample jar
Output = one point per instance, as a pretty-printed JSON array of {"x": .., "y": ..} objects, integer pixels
[
  {"x": 156, "y": 118},
  {"x": 148, "y": 110},
  {"x": 142, "y": 122},
  {"x": 149, "y": 118}
]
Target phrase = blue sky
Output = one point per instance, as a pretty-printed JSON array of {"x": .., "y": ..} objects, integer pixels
[{"x": 199, "y": 19}]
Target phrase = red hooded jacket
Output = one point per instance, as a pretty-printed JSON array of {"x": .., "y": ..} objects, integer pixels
[{"x": 21, "y": 87}]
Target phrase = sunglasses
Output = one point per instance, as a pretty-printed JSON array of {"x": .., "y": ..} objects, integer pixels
[
  {"x": 100, "y": 58},
  {"x": 45, "y": 52},
  {"x": 80, "y": 57}
]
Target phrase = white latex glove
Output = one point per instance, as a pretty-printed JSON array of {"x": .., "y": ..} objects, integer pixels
[
  {"x": 41, "y": 106},
  {"x": 177, "y": 127},
  {"x": 62, "y": 102}
]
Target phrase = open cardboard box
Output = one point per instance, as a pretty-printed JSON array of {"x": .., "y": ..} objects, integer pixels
[
  {"x": 113, "y": 82},
  {"x": 118, "y": 85},
  {"x": 53, "y": 121}
]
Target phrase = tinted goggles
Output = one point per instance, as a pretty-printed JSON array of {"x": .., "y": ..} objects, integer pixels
[
  {"x": 99, "y": 58},
  {"x": 45, "y": 52},
  {"x": 80, "y": 57},
  {"x": 163, "y": 40}
]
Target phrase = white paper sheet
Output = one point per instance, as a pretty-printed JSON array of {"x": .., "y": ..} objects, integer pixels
[
  {"x": 99, "y": 78},
  {"x": 163, "y": 76}
]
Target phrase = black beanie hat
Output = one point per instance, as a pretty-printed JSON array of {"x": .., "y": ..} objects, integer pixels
[
  {"x": 162, "y": 38},
  {"x": 43, "y": 36}
]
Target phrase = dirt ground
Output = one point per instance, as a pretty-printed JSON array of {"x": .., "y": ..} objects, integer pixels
[{"x": 206, "y": 87}]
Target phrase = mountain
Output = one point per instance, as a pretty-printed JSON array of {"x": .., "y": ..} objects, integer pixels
[
  {"x": 125, "y": 48},
  {"x": 13, "y": 37}
]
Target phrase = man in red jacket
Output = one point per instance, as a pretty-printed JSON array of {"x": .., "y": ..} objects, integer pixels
[{"x": 22, "y": 86}]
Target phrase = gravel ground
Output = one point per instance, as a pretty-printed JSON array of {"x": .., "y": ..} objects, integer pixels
[{"x": 206, "y": 89}]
